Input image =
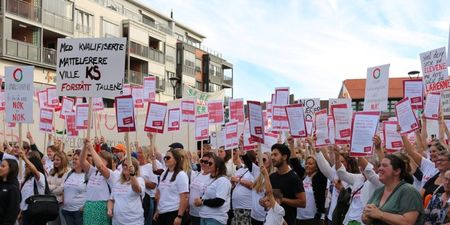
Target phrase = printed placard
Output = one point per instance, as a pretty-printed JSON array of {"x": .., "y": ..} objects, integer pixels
[
  {"x": 377, "y": 85},
  {"x": 173, "y": 121},
  {"x": 279, "y": 119},
  {"x": 269, "y": 140},
  {"x": 236, "y": 109},
  {"x": 231, "y": 135},
  {"x": 52, "y": 98},
  {"x": 249, "y": 144},
  {"x": 434, "y": 70},
  {"x": 281, "y": 96},
  {"x": 81, "y": 122},
  {"x": 311, "y": 106},
  {"x": 321, "y": 128},
  {"x": 46, "y": 120},
  {"x": 19, "y": 90},
  {"x": 70, "y": 124},
  {"x": 331, "y": 130},
  {"x": 364, "y": 127},
  {"x": 138, "y": 96},
  {"x": 338, "y": 101},
  {"x": 342, "y": 116},
  {"x": 296, "y": 119},
  {"x": 392, "y": 139},
  {"x": 67, "y": 106},
  {"x": 125, "y": 114},
  {"x": 156, "y": 114},
  {"x": 201, "y": 127},
  {"x": 188, "y": 111},
  {"x": 215, "y": 111},
  {"x": 89, "y": 67},
  {"x": 406, "y": 117},
  {"x": 97, "y": 104},
  {"x": 42, "y": 98},
  {"x": 256, "y": 121},
  {"x": 149, "y": 89},
  {"x": 432, "y": 106},
  {"x": 413, "y": 89}
]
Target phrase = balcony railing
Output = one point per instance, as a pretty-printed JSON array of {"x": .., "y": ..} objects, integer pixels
[
  {"x": 58, "y": 22},
  {"x": 136, "y": 77},
  {"x": 22, "y": 50},
  {"x": 83, "y": 29},
  {"x": 228, "y": 81},
  {"x": 138, "y": 49},
  {"x": 156, "y": 55},
  {"x": 24, "y": 9},
  {"x": 49, "y": 56}
]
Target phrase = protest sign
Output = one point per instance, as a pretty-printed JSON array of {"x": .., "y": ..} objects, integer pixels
[
  {"x": 19, "y": 90},
  {"x": 249, "y": 144},
  {"x": 70, "y": 123},
  {"x": 279, "y": 119},
  {"x": 125, "y": 114},
  {"x": 434, "y": 70},
  {"x": 78, "y": 100},
  {"x": 269, "y": 140},
  {"x": 432, "y": 106},
  {"x": 336, "y": 101},
  {"x": 364, "y": 127},
  {"x": 81, "y": 122},
  {"x": 42, "y": 98},
  {"x": 392, "y": 139},
  {"x": 406, "y": 117},
  {"x": 413, "y": 89},
  {"x": 138, "y": 96},
  {"x": 97, "y": 104},
  {"x": 2, "y": 100},
  {"x": 218, "y": 138},
  {"x": 236, "y": 109},
  {"x": 377, "y": 85},
  {"x": 188, "y": 111},
  {"x": 156, "y": 114},
  {"x": 309, "y": 127},
  {"x": 321, "y": 128},
  {"x": 173, "y": 119},
  {"x": 67, "y": 106},
  {"x": 52, "y": 98},
  {"x": 331, "y": 130},
  {"x": 296, "y": 119},
  {"x": 342, "y": 116},
  {"x": 256, "y": 121},
  {"x": 149, "y": 89},
  {"x": 281, "y": 96},
  {"x": 46, "y": 120},
  {"x": 231, "y": 135},
  {"x": 201, "y": 127},
  {"x": 87, "y": 67},
  {"x": 215, "y": 112},
  {"x": 311, "y": 106},
  {"x": 445, "y": 103}
]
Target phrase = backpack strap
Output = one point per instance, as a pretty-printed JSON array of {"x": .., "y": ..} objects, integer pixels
[{"x": 68, "y": 175}]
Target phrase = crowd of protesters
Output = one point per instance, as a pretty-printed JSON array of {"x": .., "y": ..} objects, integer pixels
[{"x": 294, "y": 183}]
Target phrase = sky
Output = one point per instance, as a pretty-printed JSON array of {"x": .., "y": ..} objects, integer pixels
[{"x": 312, "y": 46}]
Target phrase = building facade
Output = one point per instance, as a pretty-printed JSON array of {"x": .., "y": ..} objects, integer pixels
[{"x": 159, "y": 45}]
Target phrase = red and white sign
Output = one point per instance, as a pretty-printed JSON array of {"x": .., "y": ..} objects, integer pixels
[
  {"x": 46, "y": 120},
  {"x": 70, "y": 124},
  {"x": 376, "y": 92},
  {"x": 331, "y": 130},
  {"x": 19, "y": 90},
  {"x": 81, "y": 122},
  {"x": 97, "y": 104},
  {"x": 78, "y": 100},
  {"x": 67, "y": 106},
  {"x": 125, "y": 113},
  {"x": 406, "y": 117},
  {"x": 42, "y": 98},
  {"x": 296, "y": 119},
  {"x": 215, "y": 111},
  {"x": 364, "y": 127},
  {"x": 188, "y": 111},
  {"x": 156, "y": 115},
  {"x": 249, "y": 144},
  {"x": 413, "y": 89},
  {"x": 279, "y": 119},
  {"x": 52, "y": 98},
  {"x": 201, "y": 127},
  {"x": 270, "y": 139},
  {"x": 237, "y": 109},
  {"x": 392, "y": 139},
  {"x": 138, "y": 96},
  {"x": 321, "y": 128},
  {"x": 432, "y": 106},
  {"x": 434, "y": 70},
  {"x": 149, "y": 89},
  {"x": 173, "y": 119},
  {"x": 256, "y": 121},
  {"x": 231, "y": 135},
  {"x": 281, "y": 96},
  {"x": 342, "y": 116},
  {"x": 126, "y": 89}
]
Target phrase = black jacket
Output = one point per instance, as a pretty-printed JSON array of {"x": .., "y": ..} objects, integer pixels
[{"x": 9, "y": 202}]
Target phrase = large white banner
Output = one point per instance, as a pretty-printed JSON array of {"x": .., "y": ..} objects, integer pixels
[
  {"x": 19, "y": 92},
  {"x": 377, "y": 85},
  {"x": 90, "y": 67}
]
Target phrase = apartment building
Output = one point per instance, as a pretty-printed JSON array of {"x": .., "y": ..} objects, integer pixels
[{"x": 159, "y": 45}]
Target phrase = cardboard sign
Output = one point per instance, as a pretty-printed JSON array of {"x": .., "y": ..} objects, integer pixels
[
  {"x": 281, "y": 96},
  {"x": 279, "y": 119},
  {"x": 434, "y": 70},
  {"x": 125, "y": 114},
  {"x": 46, "y": 120},
  {"x": 156, "y": 115},
  {"x": 406, "y": 117},
  {"x": 432, "y": 106},
  {"x": 321, "y": 128},
  {"x": 97, "y": 104},
  {"x": 256, "y": 121},
  {"x": 52, "y": 98},
  {"x": 89, "y": 67},
  {"x": 249, "y": 144},
  {"x": 215, "y": 112},
  {"x": 67, "y": 106},
  {"x": 201, "y": 127},
  {"x": 364, "y": 127},
  {"x": 236, "y": 109},
  {"x": 413, "y": 89},
  {"x": 342, "y": 117},
  {"x": 377, "y": 85},
  {"x": 19, "y": 90},
  {"x": 231, "y": 135},
  {"x": 81, "y": 122},
  {"x": 392, "y": 139},
  {"x": 296, "y": 119},
  {"x": 312, "y": 105},
  {"x": 173, "y": 119},
  {"x": 149, "y": 89},
  {"x": 188, "y": 111}
]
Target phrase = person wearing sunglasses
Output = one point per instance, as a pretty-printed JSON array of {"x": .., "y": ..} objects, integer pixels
[
  {"x": 199, "y": 182},
  {"x": 215, "y": 202},
  {"x": 172, "y": 195}
]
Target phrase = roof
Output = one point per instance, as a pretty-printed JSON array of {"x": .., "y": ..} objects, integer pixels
[{"x": 356, "y": 87}]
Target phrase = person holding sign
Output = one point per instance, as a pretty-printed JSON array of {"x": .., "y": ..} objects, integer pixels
[{"x": 98, "y": 189}]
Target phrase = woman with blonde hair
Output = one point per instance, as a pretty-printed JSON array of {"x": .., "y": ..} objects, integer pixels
[{"x": 56, "y": 178}]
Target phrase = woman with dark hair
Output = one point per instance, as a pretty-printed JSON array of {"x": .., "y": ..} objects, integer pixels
[
  {"x": 34, "y": 175},
  {"x": 215, "y": 202},
  {"x": 172, "y": 195},
  {"x": 199, "y": 182},
  {"x": 74, "y": 192},
  {"x": 226, "y": 157},
  {"x": 99, "y": 184},
  {"x": 435, "y": 184},
  {"x": 9, "y": 192},
  {"x": 438, "y": 211},
  {"x": 397, "y": 202}
]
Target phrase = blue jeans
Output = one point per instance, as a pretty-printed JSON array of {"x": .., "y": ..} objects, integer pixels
[
  {"x": 151, "y": 209},
  {"x": 209, "y": 221},
  {"x": 73, "y": 217}
]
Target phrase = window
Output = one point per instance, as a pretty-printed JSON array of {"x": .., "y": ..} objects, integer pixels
[
  {"x": 83, "y": 22},
  {"x": 199, "y": 85},
  {"x": 213, "y": 87},
  {"x": 59, "y": 7},
  {"x": 391, "y": 105},
  {"x": 148, "y": 20},
  {"x": 198, "y": 65},
  {"x": 170, "y": 54},
  {"x": 110, "y": 29}
]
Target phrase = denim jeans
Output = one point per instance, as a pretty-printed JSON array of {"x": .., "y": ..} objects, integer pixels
[
  {"x": 151, "y": 208},
  {"x": 209, "y": 221},
  {"x": 73, "y": 217}
]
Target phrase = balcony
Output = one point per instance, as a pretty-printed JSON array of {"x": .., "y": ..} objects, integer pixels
[
  {"x": 147, "y": 52},
  {"x": 136, "y": 77},
  {"x": 228, "y": 81},
  {"x": 23, "y": 9},
  {"x": 49, "y": 56},
  {"x": 58, "y": 22},
  {"x": 22, "y": 50},
  {"x": 215, "y": 79},
  {"x": 83, "y": 29},
  {"x": 156, "y": 55}
]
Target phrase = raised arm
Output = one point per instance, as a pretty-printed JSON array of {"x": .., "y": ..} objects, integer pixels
[
  {"x": 424, "y": 133},
  {"x": 83, "y": 156},
  {"x": 33, "y": 168},
  {"x": 98, "y": 162}
]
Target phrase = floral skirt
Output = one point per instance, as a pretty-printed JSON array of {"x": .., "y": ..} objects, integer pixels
[
  {"x": 95, "y": 212},
  {"x": 241, "y": 217}
]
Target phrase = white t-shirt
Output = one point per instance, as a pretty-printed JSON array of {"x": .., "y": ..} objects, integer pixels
[
  {"x": 127, "y": 203},
  {"x": 28, "y": 190},
  {"x": 275, "y": 215},
  {"x": 97, "y": 187},
  {"x": 242, "y": 197},
  {"x": 48, "y": 164},
  {"x": 310, "y": 210},
  {"x": 428, "y": 169},
  {"x": 74, "y": 192},
  {"x": 199, "y": 182},
  {"x": 170, "y": 191},
  {"x": 219, "y": 188},
  {"x": 148, "y": 175},
  {"x": 258, "y": 212}
]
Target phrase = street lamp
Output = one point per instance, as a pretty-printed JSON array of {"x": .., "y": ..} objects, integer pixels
[
  {"x": 174, "y": 80},
  {"x": 413, "y": 74}
]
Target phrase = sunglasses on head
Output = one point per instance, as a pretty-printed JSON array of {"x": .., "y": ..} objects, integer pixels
[{"x": 167, "y": 157}]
